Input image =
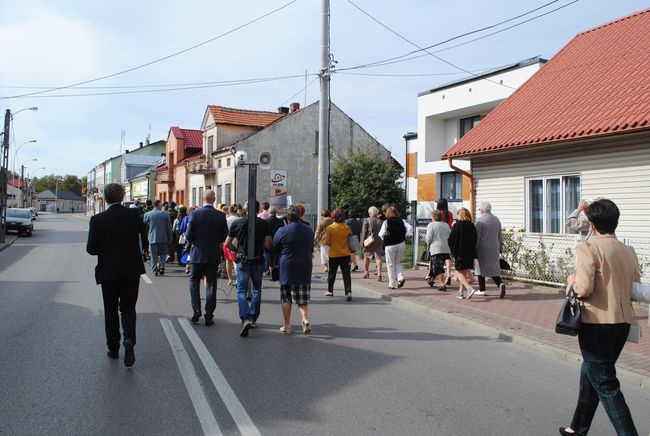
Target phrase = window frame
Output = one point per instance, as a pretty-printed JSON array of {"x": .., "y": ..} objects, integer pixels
[
  {"x": 546, "y": 207},
  {"x": 475, "y": 119},
  {"x": 445, "y": 174}
]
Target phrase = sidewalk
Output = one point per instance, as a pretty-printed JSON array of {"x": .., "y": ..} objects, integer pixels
[
  {"x": 526, "y": 315},
  {"x": 9, "y": 239}
]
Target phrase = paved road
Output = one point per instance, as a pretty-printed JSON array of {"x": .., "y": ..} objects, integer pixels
[{"x": 369, "y": 368}]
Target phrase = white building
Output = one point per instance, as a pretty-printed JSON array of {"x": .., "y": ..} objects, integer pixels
[{"x": 445, "y": 114}]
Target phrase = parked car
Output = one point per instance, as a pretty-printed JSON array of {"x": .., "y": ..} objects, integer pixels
[
  {"x": 20, "y": 220},
  {"x": 34, "y": 210}
]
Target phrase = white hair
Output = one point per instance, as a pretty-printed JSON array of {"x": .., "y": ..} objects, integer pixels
[
  {"x": 373, "y": 211},
  {"x": 486, "y": 207}
]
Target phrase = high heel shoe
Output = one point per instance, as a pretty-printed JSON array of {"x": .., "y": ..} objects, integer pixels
[
  {"x": 366, "y": 275},
  {"x": 379, "y": 278}
]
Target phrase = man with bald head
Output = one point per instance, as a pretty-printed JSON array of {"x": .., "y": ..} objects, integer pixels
[{"x": 206, "y": 231}]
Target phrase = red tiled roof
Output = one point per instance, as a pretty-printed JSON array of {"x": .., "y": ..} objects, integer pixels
[
  {"x": 597, "y": 85},
  {"x": 243, "y": 117},
  {"x": 193, "y": 138}
]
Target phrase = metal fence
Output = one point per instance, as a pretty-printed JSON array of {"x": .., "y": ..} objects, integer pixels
[{"x": 543, "y": 257}]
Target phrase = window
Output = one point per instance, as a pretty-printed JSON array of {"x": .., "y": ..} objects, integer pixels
[
  {"x": 194, "y": 196},
  {"x": 227, "y": 162},
  {"x": 549, "y": 201},
  {"x": 451, "y": 186},
  {"x": 467, "y": 124},
  {"x": 210, "y": 146},
  {"x": 200, "y": 199},
  {"x": 219, "y": 163},
  {"x": 227, "y": 193},
  {"x": 218, "y": 194}
]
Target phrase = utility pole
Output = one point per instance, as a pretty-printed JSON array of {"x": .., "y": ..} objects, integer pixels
[
  {"x": 323, "y": 114},
  {"x": 22, "y": 186},
  {"x": 3, "y": 177}
]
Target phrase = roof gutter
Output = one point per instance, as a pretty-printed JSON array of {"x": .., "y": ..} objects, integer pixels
[{"x": 472, "y": 198}]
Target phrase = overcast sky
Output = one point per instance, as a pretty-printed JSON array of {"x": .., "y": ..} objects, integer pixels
[{"x": 62, "y": 42}]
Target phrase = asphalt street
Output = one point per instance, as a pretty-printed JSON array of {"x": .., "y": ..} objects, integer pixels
[{"x": 368, "y": 368}]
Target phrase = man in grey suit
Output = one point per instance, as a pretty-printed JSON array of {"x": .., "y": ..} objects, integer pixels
[
  {"x": 160, "y": 233},
  {"x": 206, "y": 231}
]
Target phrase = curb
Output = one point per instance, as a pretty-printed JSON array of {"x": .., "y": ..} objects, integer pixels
[
  {"x": 9, "y": 240},
  {"x": 623, "y": 373}
]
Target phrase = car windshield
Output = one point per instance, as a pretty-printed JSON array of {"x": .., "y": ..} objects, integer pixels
[{"x": 18, "y": 213}]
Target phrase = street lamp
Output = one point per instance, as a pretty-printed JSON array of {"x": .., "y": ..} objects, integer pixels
[
  {"x": 4, "y": 168},
  {"x": 13, "y": 166},
  {"x": 29, "y": 185}
]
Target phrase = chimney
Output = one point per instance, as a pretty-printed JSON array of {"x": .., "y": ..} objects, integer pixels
[
  {"x": 294, "y": 107},
  {"x": 283, "y": 110},
  {"x": 126, "y": 151},
  {"x": 141, "y": 145}
]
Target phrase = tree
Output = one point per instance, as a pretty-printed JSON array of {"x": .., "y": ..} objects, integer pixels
[
  {"x": 66, "y": 183},
  {"x": 361, "y": 180}
]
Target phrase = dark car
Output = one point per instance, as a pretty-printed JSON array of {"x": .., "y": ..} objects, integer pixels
[{"x": 20, "y": 220}]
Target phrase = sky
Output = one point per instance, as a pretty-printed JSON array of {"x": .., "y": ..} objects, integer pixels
[{"x": 49, "y": 44}]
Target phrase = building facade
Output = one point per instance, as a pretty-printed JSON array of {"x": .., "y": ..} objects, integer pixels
[{"x": 446, "y": 114}]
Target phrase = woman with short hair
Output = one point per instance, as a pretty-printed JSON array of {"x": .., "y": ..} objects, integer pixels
[
  {"x": 462, "y": 244},
  {"x": 293, "y": 244},
  {"x": 605, "y": 272},
  {"x": 371, "y": 227},
  {"x": 436, "y": 239},
  {"x": 336, "y": 238},
  {"x": 394, "y": 231}
]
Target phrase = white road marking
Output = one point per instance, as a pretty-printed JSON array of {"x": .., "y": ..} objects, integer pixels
[
  {"x": 199, "y": 400},
  {"x": 146, "y": 279},
  {"x": 237, "y": 411}
]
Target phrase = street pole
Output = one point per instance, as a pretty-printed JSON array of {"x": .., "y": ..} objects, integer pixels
[
  {"x": 56, "y": 197},
  {"x": 323, "y": 113},
  {"x": 3, "y": 177},
  {"x": 252, "y": 213},
  {"x": 22, "y": 183}
]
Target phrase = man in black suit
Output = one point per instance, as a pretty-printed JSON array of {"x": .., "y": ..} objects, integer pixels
[
  {"x": 206, "y": 231},
  {"x": 114, "y": 237}
]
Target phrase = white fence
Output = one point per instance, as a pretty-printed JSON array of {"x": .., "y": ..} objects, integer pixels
[{"x": 544, "y": 257}]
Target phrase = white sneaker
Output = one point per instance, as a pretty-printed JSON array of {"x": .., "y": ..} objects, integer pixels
[
  {"x": 471, "y": 292},
  {"x": 479, "y": 293},
  {"x": 306, "y": 327}
]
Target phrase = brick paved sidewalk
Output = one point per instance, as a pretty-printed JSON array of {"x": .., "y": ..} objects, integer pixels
[{"x": 527, "y": 312}]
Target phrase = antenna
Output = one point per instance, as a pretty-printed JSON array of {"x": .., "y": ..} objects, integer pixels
[{"x": 148, "y": 139}]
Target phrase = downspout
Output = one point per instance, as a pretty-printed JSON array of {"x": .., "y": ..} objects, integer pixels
[{"x": 472, "y": 198}]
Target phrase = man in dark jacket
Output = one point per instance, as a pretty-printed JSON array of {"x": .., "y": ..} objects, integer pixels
[
  {"x": 206, "y": 231},
  {"x": 114, "y": 237}
]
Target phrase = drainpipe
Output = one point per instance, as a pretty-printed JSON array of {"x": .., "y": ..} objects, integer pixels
[{"x": 472, "y": 197}]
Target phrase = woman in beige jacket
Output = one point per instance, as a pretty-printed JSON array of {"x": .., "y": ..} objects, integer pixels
[{"x": 603, "y": 280}]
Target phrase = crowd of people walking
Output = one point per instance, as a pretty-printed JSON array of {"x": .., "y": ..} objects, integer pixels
[{"x": 123, "y": 239}]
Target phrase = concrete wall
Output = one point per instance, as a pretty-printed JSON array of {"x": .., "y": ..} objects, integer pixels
[{"x": 293, "y": 144}]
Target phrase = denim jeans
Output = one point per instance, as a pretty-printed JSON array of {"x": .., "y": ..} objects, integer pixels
[
  {"x": 158, "y": 255},
  {"x": 197, "y": 271},
  {"x": 249, "y": 311},
  {"x": 600, "y": 345}
]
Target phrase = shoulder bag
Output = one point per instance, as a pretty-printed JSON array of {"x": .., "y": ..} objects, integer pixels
[
  {"x": 569, "y": 319},
  {"x": 425, "y": 255},
  {"x": 368, "y": 241}
]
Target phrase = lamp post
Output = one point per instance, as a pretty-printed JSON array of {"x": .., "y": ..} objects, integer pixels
[
  {"x": 29, "y": 184},
  {"x": 4, "y": 168},
  {"x": 22, "y": 182},
  {"x": 13, "y": 166}
]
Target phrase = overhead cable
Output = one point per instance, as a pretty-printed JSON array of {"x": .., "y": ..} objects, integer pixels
[{"x": 155, "y": 60}]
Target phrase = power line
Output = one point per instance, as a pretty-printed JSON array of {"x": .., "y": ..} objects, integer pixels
[
  {"x": 167, "y": 85},
  {"x": 404, "y": 57},
  {"x": 180, "y": 88},
  {"x": 302, "y": 90},
  {"x": 156, "y": 60}
]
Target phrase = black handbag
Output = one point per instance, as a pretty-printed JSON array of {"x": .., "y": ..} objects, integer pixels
[
  {"x": 425, "y": 255},
  {"x": 503, "y": 264},
  {"x": 569, "y": 319}
]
